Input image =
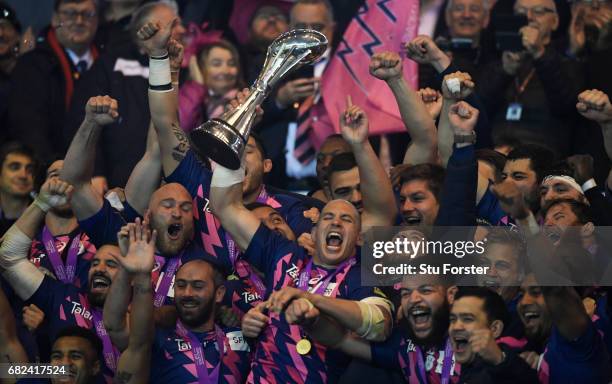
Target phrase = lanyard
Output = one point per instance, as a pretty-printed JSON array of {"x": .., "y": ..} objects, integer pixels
[
  {"x": 65, "y": 273},
  {"x": 521, "y": 88},
  {"x": 305, "y": 276},
  {"x": 198, "y": 353},
  {"x": 446, "y": 365},
  {"x": 109, "y": 351},
  {"x": 164, "y": 286},
  {"x": 244, "y": 269}
]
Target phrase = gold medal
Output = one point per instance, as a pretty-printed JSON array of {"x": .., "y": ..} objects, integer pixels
[
  {"x": 232, "y": 277},
  {"x": 303, "y": 347}
]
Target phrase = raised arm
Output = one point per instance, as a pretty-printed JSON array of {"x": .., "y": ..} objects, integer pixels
[
  {"x": 462, "y": 86},
  {"x": 163, "y": 101},
  {"x": 79, "y": 161},
  {"x": 134, "y": 363},
  {"x": 226, "y": 203},
  {"x": 567, "y": 311},
  {"x": 595, "y": 105},
  {"x": 379, "y": 208},
  {"x": 22, "y": 275},
  {"x": 146, "y": 176},
  {"x": 387, "y": 66}
]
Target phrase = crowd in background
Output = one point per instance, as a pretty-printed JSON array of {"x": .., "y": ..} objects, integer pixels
[{"x": 131, "y": 257}]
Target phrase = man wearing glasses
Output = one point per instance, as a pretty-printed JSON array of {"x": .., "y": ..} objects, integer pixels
[
  {"x": 44, "y": 79},
  {"x": 531, "y": 95}
]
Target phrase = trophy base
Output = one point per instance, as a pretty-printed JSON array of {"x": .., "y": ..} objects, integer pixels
[{"x": 220, "y": 142}]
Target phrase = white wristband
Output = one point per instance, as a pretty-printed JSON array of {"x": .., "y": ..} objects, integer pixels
[
  {"x": 223, "y": 177},
  {"x": 159, "y": 74},
  {"x": 590, "y": 183},
  {"x": 41, "y": 204}
]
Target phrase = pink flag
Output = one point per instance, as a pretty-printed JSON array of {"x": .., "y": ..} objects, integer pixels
[
  {"x": 380, "y": 25},
  {"x": 244, "y": 10}
]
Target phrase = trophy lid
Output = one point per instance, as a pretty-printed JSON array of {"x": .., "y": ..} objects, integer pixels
[{"x": 299, "y": 40}]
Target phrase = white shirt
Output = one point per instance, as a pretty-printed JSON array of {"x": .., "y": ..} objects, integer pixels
[
  {"x": 87, "y": 57},
  {"x": 294, "y": 168}
]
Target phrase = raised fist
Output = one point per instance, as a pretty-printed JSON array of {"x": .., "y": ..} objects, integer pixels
[
  {"x": 386, "y": 66},
  {"x": 154, "y": 37},
  {"x": 533, "y": 40},
  {"x": 595, "y": 105},
  {"x": 464, "y": 82},
  {"x": 101, "y": 110},
  {"x": 54, "y": 193},
  {"x": 423, "y": 50},
  {"x": 463, "y": 118},
  {"x": 432, "y": 100}
]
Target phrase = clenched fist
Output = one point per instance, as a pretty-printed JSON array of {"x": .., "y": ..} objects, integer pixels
[
  {"x": 466, "y": 86},
  {"x": 595, "y": 105},
  {"x": 154, "y": 37},
  {"x": 101, "y": 110},
  {"x": 423, "y": 50},
  {"x": 463, "y": 118},
  {"x": 386, "y": 66}
]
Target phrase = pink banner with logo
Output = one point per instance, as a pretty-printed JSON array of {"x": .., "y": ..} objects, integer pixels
[{"x": 380, "y": 25}]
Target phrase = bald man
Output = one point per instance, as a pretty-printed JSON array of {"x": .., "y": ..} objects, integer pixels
[
  {"x": 168, "y": 209},
  {"x": 328, "y": 283}
]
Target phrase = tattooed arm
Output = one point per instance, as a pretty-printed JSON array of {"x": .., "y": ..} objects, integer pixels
[{"x": 163, "y": 104}]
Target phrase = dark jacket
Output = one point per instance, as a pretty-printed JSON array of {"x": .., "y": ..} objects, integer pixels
[
  {"x": 41, "y": 85},
  {"x": 122, "y": 144},
  {"x": 548, "y": 100},
  {"x": 512, "y": 370}
]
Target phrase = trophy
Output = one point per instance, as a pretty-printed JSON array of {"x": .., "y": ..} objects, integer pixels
[{"x": 223, "y": 139}]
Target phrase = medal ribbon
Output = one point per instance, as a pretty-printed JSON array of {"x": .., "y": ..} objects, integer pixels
[
  {"x": 164, "y": 286},
  {"x": 109, "y": 351},
  {"x": 65, "y": 273},
  {"x": 446, "y": 364},
  {"x": 198, "y": 353},
  {"x": 305, "y": 275}
]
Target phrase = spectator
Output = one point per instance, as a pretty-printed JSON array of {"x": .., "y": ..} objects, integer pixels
[
  {"x": 530, "y": 94},
  {"x": 464, "y": 42},
  {"x": 216, "y": 76},
  {"x": 267, "y": 23},
  {"x": 11, "y": 47},
  {"x": 44, "y": 80},
  {"x": 121, "y": 75},
  {"x": 16, "y": 182}
]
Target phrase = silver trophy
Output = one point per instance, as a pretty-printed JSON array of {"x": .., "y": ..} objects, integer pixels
[{"x": 223, "y": 139}]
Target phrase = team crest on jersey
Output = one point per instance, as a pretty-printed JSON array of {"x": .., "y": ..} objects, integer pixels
[{"x": 237, "y": 341}]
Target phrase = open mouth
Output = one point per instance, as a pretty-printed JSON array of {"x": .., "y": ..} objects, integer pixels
[
  {"x": 491, "y": 283},
  {"x": 531, "y": 318},
  {"x": 333, "y": 241},
  {"x": 174, "y": 231},
  {"x": 100, "y": 282},
  {"x": 420, "y": 316},
  {"x": 461, "y": 343},
  {"x": 413, "y": 219}
]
